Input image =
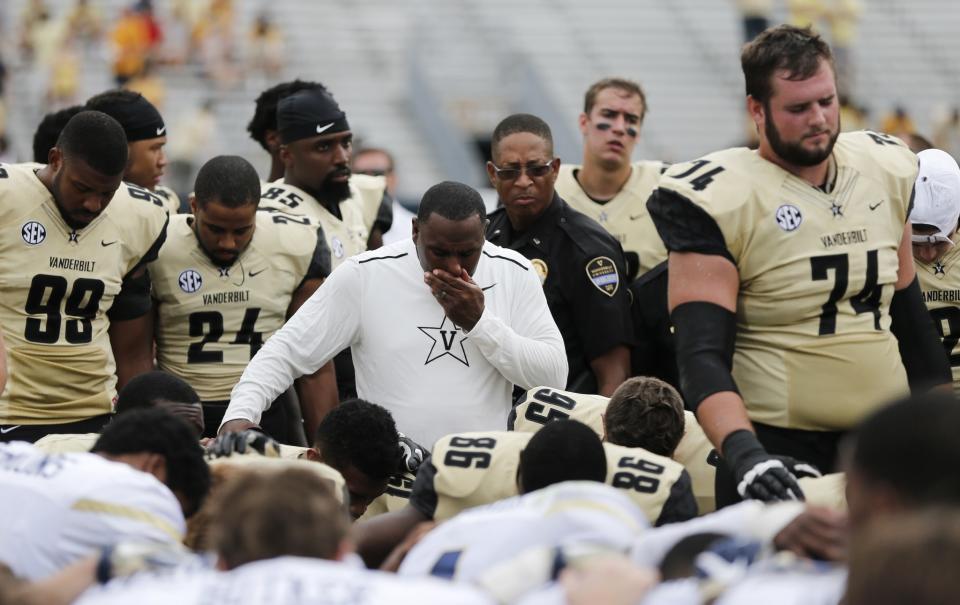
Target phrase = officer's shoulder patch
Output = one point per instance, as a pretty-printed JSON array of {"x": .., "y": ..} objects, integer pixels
[{"x": 603, "y": 273}]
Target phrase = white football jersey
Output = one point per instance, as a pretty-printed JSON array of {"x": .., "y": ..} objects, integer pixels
[
  {"x": 59, "y": 508},
  {"x": 566, "y": 515},
  {"x": 281, "y": 581}
]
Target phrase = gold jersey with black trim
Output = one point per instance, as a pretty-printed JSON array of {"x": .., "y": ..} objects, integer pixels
[
  {"x": 540, "y": 405},
  {"x": 817, "y": 269},
  {"x": 471, "y": 469},
  {"x": 171, "y": 200},
  {"x": 940, "y": 284},
  {"x": 211, "y": 320},
  {"x": 59, "y": 284},
  {"x": 346, "y": 235},
  {"x": 625, "y": 215}
]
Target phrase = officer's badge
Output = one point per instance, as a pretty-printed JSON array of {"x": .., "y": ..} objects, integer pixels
[
  {"x": 541, "y": 268},
  {"x": 603, "y": 273}
]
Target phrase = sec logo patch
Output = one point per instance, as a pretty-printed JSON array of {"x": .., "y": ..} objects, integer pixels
[
  {"x": 789, "y": 217},
  {"x": 33, "y": 233},
  {"x": 337, "y": 247},
  {"x": 190, "y": 281}
]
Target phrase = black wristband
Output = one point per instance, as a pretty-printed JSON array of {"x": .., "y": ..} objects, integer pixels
[{"x": 740, "y": 445}]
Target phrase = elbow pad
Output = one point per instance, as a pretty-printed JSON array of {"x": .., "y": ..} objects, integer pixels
[
  {"x": 705, "y": 336},
  {"x": 923, "y": 356}
]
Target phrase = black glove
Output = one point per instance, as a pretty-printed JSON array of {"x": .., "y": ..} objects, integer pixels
[
  {"x": 411, "y": 454},
  {"x": 759, "y": 475},
  {"x": 243, "y": 442}
]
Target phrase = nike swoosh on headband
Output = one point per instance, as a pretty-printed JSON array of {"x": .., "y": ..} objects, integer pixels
[{"x": 321, "y": 129}]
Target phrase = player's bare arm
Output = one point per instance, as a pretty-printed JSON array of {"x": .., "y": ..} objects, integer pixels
[
  {"x": 318, "y": 391},
  {"x": 132, "y": 342},
  {"x": 711, "y": 279},
  {"x": 611, "y": 369},
  {"x": 460, "y": 297},
  {"x": 702, "y": 299}
]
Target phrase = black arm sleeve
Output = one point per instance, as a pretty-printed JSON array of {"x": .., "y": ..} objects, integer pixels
[
  {"x": 923, "y": 356},
  {"x": 684, "y": 226},
  {"x": 320, "y": 263},
  {"x": 680, "y": 505},
  {"x": 705, "y": 338},
  {"x": 423, "y": 497},
  {"x": 384, "y": 218},
  {"x": 133, "y": 300}
]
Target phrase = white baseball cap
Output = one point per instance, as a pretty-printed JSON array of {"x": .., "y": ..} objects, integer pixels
[{"x": 936, "y": 200}]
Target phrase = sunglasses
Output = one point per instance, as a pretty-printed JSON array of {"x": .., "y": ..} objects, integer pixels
[{"x": 512, "y": 173}]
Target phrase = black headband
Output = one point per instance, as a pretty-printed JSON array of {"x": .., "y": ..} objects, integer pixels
[
  {"x": 139, "y": 118},
  {"x": 309, "y": 113}
]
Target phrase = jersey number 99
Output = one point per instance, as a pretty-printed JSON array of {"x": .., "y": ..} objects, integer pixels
[{"x": 46, "y": 295}]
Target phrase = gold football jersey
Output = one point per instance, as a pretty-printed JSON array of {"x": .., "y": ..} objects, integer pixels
[
  {"x": 693, "y": 452},
  {"x": 817, "y": 270},
  {"x": 540, "y": 405},
  {"x": 625, "y": 216},
  {"x": 346, "y": 237},
  {"x": 368, "y": 191},
  {"x": 647, "y": 478},
  {"x": 67, "y": 443},
  {"x": 211, "y": 321},
  {"x": 829, "y": 490},
  {"x": 263, "y": 463},
  {"x": 171, "y": 201},
  {"x": 940, "y": 283},
  {"x": 475, "y": 469},
  {"x": 58, "y": 284}
]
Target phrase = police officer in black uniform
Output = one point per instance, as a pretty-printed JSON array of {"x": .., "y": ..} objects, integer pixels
[
  {"x": 654, "y": 352},
  {"x": 581, "y": 266}
]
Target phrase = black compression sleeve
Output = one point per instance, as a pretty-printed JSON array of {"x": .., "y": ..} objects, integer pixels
[
  {"x": 705, "y": 337},
  {"x": 923, "y": 356}
]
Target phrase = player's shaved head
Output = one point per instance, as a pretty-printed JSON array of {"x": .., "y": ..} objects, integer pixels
[
  {"x": 229, "y": 180},
  {"x": 520, "y": 122},
  {"x": 563, "y": 450},
  {"x": 48, "y": 132},
  {"x": 453, "y": 201},
  {"x": 152, "y": 389},
  {"x": 795, "y": 50},
  {"x": 645, "y": 412},
  {"x": 97, "y": 139}
]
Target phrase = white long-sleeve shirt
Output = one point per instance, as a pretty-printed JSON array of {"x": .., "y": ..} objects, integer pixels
[{"x": 434, "y": 377}]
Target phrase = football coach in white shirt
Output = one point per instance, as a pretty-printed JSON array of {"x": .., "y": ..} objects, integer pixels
[{"x": 442, "y": 326}]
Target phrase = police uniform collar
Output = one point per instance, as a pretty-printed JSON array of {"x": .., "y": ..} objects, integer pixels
[{"x": 542, "y": 229}]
